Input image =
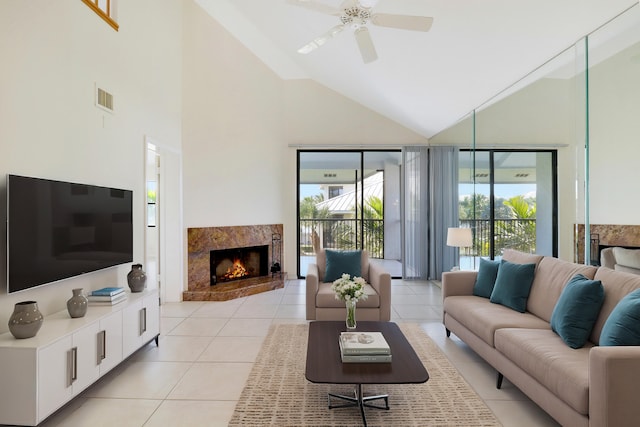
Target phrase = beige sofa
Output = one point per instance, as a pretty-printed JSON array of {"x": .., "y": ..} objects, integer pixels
[
  {"x": 321, "y": 301},
  {"x": 621, "y": 259},
  {"x": 588, "y": 386}
]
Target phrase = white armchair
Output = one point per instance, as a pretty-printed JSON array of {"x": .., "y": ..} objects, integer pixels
[
  {"x": 321, "y": 301},
  {"x": 622, "y": 259}
]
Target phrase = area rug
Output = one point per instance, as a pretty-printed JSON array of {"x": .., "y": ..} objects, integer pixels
[{"x": 278, "y": 394}]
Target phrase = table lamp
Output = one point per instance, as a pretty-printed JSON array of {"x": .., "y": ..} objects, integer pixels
[{"x": 459, "y": 238}]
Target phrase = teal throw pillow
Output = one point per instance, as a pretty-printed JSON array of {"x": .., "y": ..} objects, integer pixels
[
  {"x": 486, "y": 278},
  {"x": 577, "y": 310},
  {"x": 623, "y": 325},
  {"x": 340, "y": 262},
  {"x": 513, "y": 285}
]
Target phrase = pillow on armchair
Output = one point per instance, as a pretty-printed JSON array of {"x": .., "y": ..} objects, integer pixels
[{"x": 341, "y": 262}]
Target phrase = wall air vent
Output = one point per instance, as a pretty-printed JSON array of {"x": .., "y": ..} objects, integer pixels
[
  {"x": 330, "y": 175},
  {"x": 522, "y": 175},
  {"x": 482, "y": 175},
  {"x": 104, "y": 99}
]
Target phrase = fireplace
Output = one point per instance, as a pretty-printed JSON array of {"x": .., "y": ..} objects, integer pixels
[
  {"x": 227, "y": 265},
  {"x": 604, "y": 236},
  {"x": 214, "y": 255}
]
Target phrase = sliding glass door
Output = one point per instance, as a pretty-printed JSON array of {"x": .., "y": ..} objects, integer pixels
[
  {"x": 508, "y": 198},
  {"x": 349, "y": 200}
]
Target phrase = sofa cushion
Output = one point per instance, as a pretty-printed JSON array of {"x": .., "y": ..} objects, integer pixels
[
  {"x": 341, "y": 262},
  {"x": 326, "y": 297},
  {"x": 483, "y": 318},
  {"x": 518, "y": 257},
  {"x": 486, "y": 278},
  {"x": 616, "y": 285},
  {"x": 545, "y": 357},
  {"x": 626, "y": 269},
  {"x": 623, "y": 325},
  {"x": 627, "y": 257},
  {"x": 513, "y": 284},
  {"x": 577, "y": 310},
  {"x": 321, "y": 262},
  {"x": 551, "y": 277}
]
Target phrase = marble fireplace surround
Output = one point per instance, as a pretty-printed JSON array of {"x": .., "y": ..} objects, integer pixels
[
  {"x": 627, "y": 236},
  {"x": 202, "y": 240}
]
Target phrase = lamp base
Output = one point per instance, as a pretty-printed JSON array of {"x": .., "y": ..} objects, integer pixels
[{"x": 455, "y": 268}]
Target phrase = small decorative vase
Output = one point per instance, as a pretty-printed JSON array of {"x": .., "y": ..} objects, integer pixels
[
  {"x": 77, "y": 304},
  {"x": 26, "y": 320},
  {"x": 351, "y": 314},
  {"x": 137, "y": 279}
]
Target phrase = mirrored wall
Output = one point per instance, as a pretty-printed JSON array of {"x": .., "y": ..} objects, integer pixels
[{"x": 584, "y": 105}]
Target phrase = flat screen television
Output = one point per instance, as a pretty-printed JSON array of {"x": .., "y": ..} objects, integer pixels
[{"x": 57, "y": 230}]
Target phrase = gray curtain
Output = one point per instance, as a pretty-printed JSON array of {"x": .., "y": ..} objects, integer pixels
[
  {"x": 443, "y": 208},
  {"x": 430, "y": 207},
  {"x": 415, "y": 208}
]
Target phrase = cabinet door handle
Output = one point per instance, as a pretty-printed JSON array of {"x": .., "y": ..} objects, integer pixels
[
  {"x": 74, "y": 365},
  {"x": 102, "y": 346},
  {"x": 143, "y": 320}
]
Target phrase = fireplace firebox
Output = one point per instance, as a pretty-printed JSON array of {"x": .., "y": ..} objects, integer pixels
[{"x": 228, "y": 265}]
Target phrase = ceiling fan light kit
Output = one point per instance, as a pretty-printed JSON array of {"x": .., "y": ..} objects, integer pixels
[{"x": 356, "y": 14}]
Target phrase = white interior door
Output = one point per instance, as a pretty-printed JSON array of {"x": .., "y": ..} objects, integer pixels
[
  {"x": 163, "y": 224},
  {"x": 153, "y": 259}
]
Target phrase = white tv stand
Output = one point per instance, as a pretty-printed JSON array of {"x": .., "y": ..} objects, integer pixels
[{"x": 39, "y": 375}]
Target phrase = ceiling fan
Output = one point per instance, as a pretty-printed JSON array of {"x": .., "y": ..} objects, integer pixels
[{"x": 355, "y": 15}]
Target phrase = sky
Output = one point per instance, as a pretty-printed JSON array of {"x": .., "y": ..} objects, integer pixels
[{"x": 307, "y": 190}]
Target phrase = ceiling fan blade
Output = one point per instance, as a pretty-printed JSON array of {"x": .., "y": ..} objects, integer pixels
[
  {"x": 322, "y": 39},
  {"x": 368, "y": 3},
  {"x": 367, "y": 49},
  {"x": 404, "y": 22},
  {"x": 316, "y": 6}
]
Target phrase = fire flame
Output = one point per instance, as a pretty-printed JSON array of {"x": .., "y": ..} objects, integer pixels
[{"x": 236, "y": 271}]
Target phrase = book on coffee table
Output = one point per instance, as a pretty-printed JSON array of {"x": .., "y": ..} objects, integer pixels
[
  {"x": 363, "y": 344},
  {"x": 373, "y": 358}
]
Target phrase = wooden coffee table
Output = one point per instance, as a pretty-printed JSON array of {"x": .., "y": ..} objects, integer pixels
[{"x": 325, "y": 366}]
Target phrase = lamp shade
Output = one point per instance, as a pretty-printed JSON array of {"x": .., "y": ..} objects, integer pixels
[{"x": 459, "y": 237}]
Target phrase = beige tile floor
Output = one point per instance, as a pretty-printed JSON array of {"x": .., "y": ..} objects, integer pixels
[{"x": 206, "y": 351}]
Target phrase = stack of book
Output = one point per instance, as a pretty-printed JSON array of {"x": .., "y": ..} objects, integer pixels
[
  {"x": 364, "y": 347},
  {"x": 107, "y": 296}
]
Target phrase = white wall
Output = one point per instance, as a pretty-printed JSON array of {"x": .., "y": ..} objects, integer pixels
[
  {"x": 52, "y": 54},
  {"x": 239, "y": 120},
  {"x": 615, "y": 138}
]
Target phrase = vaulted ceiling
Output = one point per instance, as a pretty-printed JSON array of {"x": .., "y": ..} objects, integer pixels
[{"x": 425, "y": 81}]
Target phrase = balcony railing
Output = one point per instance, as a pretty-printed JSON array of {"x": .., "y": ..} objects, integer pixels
[
  {"x": 517, "y": 234},
  {"x": 342, "y": 234}
]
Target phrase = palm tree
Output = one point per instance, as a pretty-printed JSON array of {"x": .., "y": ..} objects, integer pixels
[
  {"x": 520, "y": 234},
  {"x": 373, "y": 228},
  {"x": 372, "y": 215},
  {"x": 309, "y": 212}
]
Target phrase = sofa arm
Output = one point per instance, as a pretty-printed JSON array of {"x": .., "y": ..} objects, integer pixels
[
  {"x": 380, "y": 280},
  {"x": 312, "y": 289},
  {"x": 458, "y": 283},
  {"x": 614, "y": 375},
  {"x": 607, "y": 259}
]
